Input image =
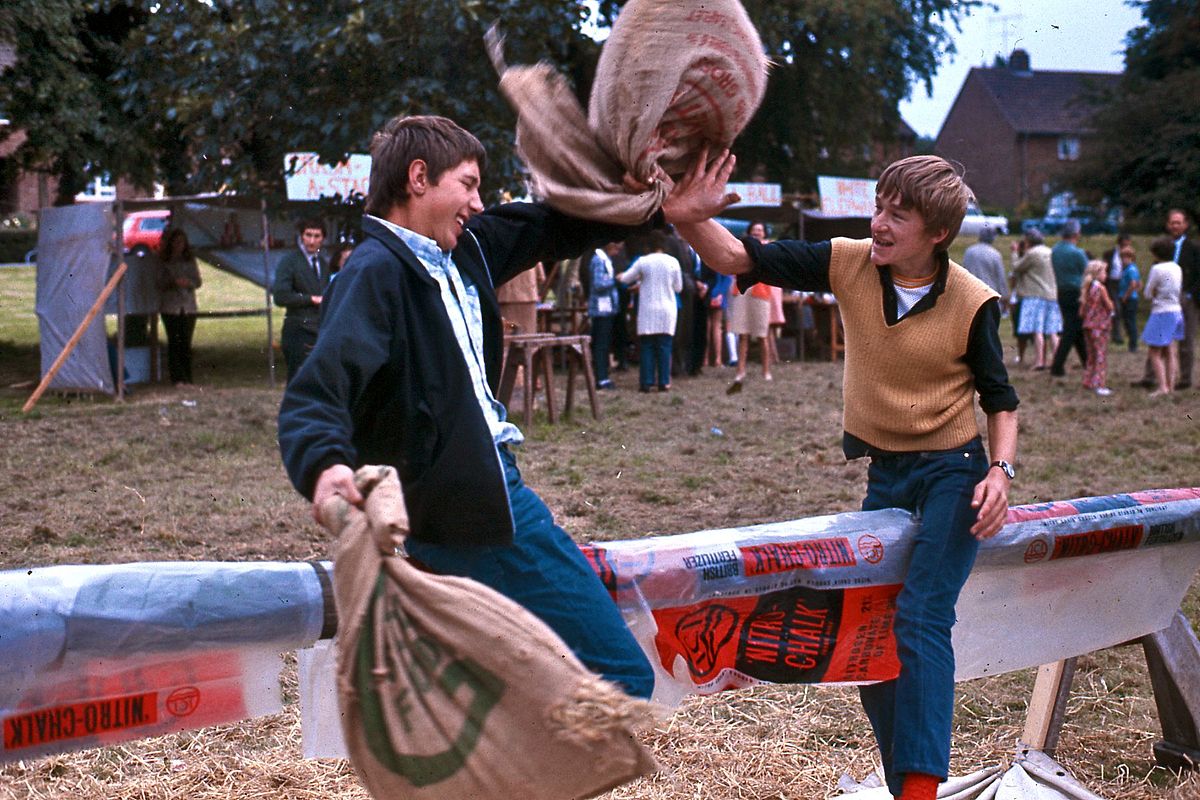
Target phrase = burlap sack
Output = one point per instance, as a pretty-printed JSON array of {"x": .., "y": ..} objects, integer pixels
[
  {"x": 673, "y": 75},
  {"x": 448, "y": 689}
]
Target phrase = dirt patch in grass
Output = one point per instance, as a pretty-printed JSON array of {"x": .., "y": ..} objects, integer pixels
[{"x": 157, "y": 478}]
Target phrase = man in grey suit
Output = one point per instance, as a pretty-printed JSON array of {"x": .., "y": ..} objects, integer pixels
[{"x": 300, "y": 281}]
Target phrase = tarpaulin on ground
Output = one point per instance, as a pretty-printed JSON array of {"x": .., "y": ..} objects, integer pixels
[
  {"x": 1032, "y": 776},
  {"x": 672, "y": 77},
  {"x": 92, "y": 655},
  {"x": 75, "y": 256}
]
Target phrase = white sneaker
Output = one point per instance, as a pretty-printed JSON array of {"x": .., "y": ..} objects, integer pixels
[{"x": 1104, "y": 391}]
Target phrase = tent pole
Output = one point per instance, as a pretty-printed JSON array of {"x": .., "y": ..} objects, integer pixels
[
  {"x": 120, "y": 376},
  {"x": 266, "y": 239}
]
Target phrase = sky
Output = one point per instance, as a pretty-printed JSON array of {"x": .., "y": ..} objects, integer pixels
[{"x": 1083, "y": 35}]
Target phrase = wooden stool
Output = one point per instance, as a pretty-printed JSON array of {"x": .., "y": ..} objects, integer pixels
[
  {"x": 578, "y": 350},
  {"x": 534, "y": 354},
  {"x": 527, "y": 352}
]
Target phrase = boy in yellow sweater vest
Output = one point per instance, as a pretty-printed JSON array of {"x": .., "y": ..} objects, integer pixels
[{"x": 921, "y": 340}]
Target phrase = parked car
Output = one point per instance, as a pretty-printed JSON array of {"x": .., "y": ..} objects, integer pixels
[
  {"x": 976, "y": 220},
  {"x": 1090, "y": 221},
  {"x": 144, "y": 230}
]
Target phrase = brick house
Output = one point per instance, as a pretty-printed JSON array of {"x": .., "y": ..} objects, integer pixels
[{"x": 1015, "y": 128}]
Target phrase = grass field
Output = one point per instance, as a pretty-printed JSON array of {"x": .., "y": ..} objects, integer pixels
[{"x": 94, "y": 481}]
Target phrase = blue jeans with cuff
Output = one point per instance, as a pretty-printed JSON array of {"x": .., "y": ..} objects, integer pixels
[
  {"x": 545, "y": 572},
  {"x": 655, "y": 360},
  {"x": 912, "y": 715}
]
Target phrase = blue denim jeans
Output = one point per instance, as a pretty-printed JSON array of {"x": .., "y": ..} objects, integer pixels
[
  {"x": 545, "y": 572},
  {"x": 602, "y": 331},
  {"x": 655, "y": 352},
  {"x": 912, "y": 715}
]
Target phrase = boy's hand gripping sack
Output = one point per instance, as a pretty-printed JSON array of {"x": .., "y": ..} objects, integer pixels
[
  {"x": 448, "y": 689},
  {"x": 673, "y": 76}
]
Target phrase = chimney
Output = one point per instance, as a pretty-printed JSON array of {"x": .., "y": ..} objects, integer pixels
[{"x": 1019, "y": 62}]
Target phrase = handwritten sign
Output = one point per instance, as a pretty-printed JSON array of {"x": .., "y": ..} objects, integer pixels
[
  {"x": 846, "y": 197},
  {"x": 308, "y": 179},
  {"x": 757, "y": 194}
]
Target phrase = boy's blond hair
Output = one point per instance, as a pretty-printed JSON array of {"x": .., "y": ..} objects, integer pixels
[{"x": 933, "y": 187}]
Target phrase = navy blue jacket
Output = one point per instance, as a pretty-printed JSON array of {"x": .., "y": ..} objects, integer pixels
[{"x": 387, "y": 382}]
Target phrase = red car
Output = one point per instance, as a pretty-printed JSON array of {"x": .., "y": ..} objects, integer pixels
[{"x": 144, "y": 230}]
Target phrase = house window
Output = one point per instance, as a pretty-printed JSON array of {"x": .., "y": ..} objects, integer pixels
[{"x": 1068, "y": 148}]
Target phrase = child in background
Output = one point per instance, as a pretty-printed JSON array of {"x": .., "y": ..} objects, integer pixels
[
  {"x": 1128, "y": 289},
  {"x": 1096, "y": 311},
  {"x": 1164, "y": 329}
]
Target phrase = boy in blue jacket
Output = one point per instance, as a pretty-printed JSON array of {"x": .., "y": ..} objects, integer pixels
[{"x": 405, "y": 373}]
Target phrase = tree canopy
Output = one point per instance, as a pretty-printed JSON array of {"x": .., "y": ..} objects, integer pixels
[
  {"x": 211, "y": 95},
  {"x": 1147, "y": 153}
]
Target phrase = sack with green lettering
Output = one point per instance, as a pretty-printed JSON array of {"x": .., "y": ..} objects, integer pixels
[{"x": 448, "y": 689}]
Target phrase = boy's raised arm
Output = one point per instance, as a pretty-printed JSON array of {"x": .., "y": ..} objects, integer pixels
[{"x": 692, "y": 204}]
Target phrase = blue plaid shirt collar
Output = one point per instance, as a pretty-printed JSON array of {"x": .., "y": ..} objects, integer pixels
[{"x": 423, "y": 247}]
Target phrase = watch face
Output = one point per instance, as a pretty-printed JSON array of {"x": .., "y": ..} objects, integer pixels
[{"x": 1007, "y": 469}]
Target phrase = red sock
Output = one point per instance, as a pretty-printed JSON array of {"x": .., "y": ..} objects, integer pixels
[{"x": 919, "y": 786}]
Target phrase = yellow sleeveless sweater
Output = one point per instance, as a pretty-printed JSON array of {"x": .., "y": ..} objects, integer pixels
[{"x": 906, "y": 387}]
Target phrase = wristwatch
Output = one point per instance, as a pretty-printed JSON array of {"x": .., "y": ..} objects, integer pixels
[{"x": 1006, "y": 468}]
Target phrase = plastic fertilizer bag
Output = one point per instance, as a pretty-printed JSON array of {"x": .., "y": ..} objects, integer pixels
[
  {"x": 673, "y": 76},
  {"x": 448, "y": 689}
]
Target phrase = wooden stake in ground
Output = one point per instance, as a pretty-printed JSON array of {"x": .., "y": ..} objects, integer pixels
[{"x": 75, "y": 337}]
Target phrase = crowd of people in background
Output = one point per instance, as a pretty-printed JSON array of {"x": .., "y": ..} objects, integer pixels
[
  {"x": 686, "y": 317},
  {"x": 652, "y": 300},
  {"x": 1059, "y": 300},
  {"x": 1063, "y": 299}
]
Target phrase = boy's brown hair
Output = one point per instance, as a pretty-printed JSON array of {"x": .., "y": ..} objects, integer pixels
[
  {"x": 440, "y": 142},
  {"x": 933, "y": 187}
]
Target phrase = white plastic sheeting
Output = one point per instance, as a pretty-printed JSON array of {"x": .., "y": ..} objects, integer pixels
[
  {"x": 808, "y": 601},
  {"x": 75, "y": 257},
  {"x": 812, "y": 600},
  {"x": 93, "y": 655}
]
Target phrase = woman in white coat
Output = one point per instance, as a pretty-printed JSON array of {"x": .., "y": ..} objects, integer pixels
[{"x": 660, "y": 279}]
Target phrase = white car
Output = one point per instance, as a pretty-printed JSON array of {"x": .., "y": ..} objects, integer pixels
[{"x": 976, "y": 220}]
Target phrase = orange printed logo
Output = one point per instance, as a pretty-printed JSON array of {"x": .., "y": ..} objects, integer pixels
[
  {"x": 871, "y": 548},
  {"x": 1036, "y": 551},
  {"x": 183, "y": 701}
]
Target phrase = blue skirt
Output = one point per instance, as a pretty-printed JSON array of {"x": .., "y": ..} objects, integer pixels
[
  {"x": 1162, "y": 328},
  {"x": 1039, "y": 315}
]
